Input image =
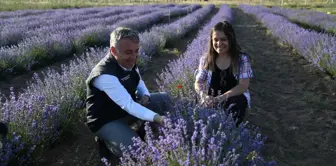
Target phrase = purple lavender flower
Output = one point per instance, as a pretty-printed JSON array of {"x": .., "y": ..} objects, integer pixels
[
  {"x": 205, "y": 143},
  {"x": 311, "y": 18}
]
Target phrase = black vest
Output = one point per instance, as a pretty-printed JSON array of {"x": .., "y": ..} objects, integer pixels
[{"x": 100, "y": 108}]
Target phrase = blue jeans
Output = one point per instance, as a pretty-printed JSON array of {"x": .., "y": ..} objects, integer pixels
[{"x": 119, "y": 132}]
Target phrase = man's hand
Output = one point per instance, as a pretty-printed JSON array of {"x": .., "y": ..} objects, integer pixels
[
  {"x": 159, "y": 119},
  {"x": 144, "y": 100}
]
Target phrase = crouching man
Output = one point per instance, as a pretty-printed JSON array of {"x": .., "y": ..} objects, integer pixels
[{"x": 118, "y": 97}]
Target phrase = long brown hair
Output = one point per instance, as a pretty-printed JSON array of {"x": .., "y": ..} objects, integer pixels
[{"x": 235, "y": 50}]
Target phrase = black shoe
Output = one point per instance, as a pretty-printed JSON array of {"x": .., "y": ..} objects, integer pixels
[
  {"x": 3, "y": 130},
  {"x": 104, "y": 152}
]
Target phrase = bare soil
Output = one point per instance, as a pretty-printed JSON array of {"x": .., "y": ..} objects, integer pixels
[{"x": 293, "y": 103}]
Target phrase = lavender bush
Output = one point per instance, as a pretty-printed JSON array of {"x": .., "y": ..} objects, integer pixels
[
  {"x": 13, "y": 145},
  {"x": 40, "y": 50},
  {"x": 315, "y": 19},
  {"x": 40, "y": 120},
  {"x": 208, "y": 138},
  {"x": 317, "y": 48}
]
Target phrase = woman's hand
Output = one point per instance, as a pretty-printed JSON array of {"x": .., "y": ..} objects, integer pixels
[
  {"x": 207, "y": 100},
  {"x": 222, "y": 98}
]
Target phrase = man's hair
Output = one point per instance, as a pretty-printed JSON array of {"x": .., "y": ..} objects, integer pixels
[{"x": 122, "y": 33}]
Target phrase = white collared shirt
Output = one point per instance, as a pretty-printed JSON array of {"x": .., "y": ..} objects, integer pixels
[{"x": 113, "y": 88}]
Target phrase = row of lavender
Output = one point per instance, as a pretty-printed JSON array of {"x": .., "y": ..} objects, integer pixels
[
  {"x": 156, "y": 38},
  {"x": 195, "y": 135},
  {"x": 317, "y": 48},
  {"x": 17, "y": 34},
  {"x": 15, "y": 30},
  {"x": 44, "y": 110},
  {"x": 320, "y": 20},
  {"x": 11, "y": 15},
  {"x": 33, "y": 13},
  {"x": 48, "y": 47}
]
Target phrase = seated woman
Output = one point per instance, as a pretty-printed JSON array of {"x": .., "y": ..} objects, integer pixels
[{"x": 224, "y": 72}]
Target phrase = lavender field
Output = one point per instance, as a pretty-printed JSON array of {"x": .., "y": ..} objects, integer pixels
[{"x": 289, "y": 102}]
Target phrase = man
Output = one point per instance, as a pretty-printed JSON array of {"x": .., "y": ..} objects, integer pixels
[{"x": 113, "y": 87}]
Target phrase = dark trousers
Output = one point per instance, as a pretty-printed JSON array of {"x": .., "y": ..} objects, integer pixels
[
  {"x": 121, "y": 131},
  {"x": 239, "y": 109}
]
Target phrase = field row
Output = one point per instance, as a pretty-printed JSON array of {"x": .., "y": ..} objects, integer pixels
[
  {"x": 317, "y": 48},
  {"x": 309, "y": 18},
  {"x": 14, "y": 30},
  {"x": 54, "y": 44},
  {"x": 33, "y": 13}
]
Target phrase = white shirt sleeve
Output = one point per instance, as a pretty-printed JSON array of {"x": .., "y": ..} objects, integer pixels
[
  {"x": 113, "y": 88},
  {"x": 142, "y": 89}
]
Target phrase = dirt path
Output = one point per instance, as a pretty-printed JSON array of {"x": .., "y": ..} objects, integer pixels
[
  {"x": 80, "y": 148},
  {"x": 292, "y": 103}
]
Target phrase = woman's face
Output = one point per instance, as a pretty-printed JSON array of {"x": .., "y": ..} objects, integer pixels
[{"x": 220, "y": 42}]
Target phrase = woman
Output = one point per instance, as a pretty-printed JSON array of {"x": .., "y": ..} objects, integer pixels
[{"x": 224, "y": 72}]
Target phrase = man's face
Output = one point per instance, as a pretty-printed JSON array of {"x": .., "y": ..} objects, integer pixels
[{"x": 127, "y": 53}]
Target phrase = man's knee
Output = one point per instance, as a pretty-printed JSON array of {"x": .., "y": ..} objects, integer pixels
[
  {"x": 114, "y": 134},
  {"x": 160, "y": 96}
]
